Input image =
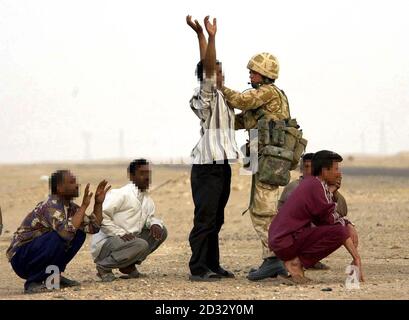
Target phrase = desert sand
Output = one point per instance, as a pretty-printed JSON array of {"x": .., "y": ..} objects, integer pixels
[{"x": 378, "y": 201}]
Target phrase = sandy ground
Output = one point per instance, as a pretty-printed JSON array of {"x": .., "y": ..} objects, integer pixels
[{"x": 378, "y": 205}]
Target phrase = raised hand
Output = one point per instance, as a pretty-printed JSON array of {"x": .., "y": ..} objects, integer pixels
[
  {"x": 86, "y": 200},
  {"x": 199, "y": 31},
  {"x": 101, "y": 192},
  {"x": 211, "y": 28},
  {"x": 194, "y": 25}
]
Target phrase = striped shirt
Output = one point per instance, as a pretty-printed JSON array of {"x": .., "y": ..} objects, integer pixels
[{"x": 217, "y": 138}]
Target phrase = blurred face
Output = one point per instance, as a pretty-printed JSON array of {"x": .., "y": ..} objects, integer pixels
[
  {"x": 255, "y": 77},
  {"x": 69, "y": 188},
  {"x": 219, "y": 76},
  {"x": 333, "y": 175},
  {"x": 142, "y": 177},
  {"x": 307, "y": 168}
]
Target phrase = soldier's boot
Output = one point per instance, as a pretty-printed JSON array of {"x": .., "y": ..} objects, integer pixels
[{"x": 270, "y": 268}]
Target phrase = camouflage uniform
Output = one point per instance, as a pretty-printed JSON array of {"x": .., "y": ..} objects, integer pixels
[{"x": 271, "y": 103}]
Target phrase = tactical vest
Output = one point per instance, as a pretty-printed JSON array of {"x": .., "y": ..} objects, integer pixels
[
  {"x": 281, "y": 146},
  {"x": 268, "y": 111}
]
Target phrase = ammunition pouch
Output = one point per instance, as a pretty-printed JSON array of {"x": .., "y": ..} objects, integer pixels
[
  {"x": 274, "y": 166},
  {"x": 299, "y": 149},
  {"x": 281, "y": 146}
]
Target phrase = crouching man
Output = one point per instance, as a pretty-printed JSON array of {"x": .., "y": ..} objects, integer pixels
[
  {"x": 308, "y": 226},
  {"x": 53, "y": 233},
  {"x": 129, "y": 231},
  {"x": 306, "y": 171}
]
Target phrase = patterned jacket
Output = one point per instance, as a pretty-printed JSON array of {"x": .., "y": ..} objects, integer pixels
[{"x": 50, "y": 215}]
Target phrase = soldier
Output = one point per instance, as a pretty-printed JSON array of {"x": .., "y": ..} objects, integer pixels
[{"x": 264, "y": 101}]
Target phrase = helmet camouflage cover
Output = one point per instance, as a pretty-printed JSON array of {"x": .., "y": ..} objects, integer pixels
[{"x": 265, "y": 64}]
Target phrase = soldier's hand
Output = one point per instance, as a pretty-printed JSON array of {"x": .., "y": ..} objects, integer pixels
[
  {"x": 211, "y": 28},
  {"x": 194, "y": 25}
]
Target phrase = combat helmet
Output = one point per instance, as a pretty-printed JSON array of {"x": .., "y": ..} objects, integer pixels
[{"x": 265, "y": 64}]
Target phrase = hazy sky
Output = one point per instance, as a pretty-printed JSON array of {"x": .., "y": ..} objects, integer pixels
[{"x": 70, "y": 69}]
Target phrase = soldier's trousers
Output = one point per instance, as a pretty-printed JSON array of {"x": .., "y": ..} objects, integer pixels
[{"x": 263, "y": 208}]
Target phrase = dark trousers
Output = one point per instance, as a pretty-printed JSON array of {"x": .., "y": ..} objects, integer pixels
[
  {"x": 31, "y": 260},
  {"x": 314, "y": 244},
  {"x": 210, "y": 190}
]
